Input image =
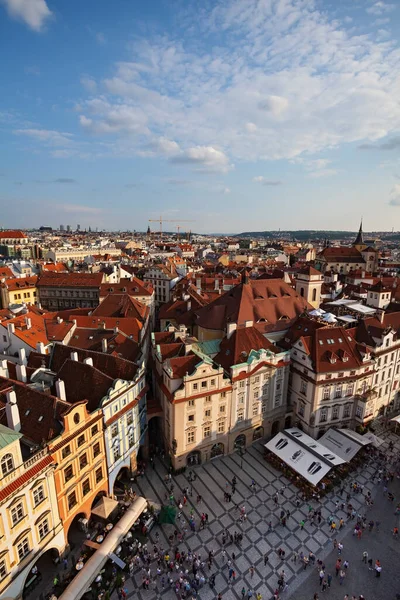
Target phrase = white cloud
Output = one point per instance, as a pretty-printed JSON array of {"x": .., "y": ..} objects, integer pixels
[
  {"x": 100, "y": 38},
  {"x": 251, "y": 127},
  {"x": 276, "y": 105},
  {"x": 34, "y": 13},
  {"x": 89, "y": 84},
  {"x": 79, "y": 208},
  {"x": 206, "y": 156},
  {"x": 266, "y": 181},
  {"x": 380, "y": 8},
  {"x": 47, "y": 136},
  {"x": 394, "y": 196}
]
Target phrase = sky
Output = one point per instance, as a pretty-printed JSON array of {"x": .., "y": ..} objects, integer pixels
[{"x": 219, "y": 115}]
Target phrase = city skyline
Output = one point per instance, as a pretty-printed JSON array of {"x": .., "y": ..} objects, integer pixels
[{"x": 114, "y": 116}]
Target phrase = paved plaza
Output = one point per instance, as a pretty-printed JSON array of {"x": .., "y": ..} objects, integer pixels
[{"x": 260, "y": 507}]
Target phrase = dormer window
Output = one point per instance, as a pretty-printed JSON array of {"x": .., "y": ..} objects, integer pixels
[{"x": 345, "y": 358}]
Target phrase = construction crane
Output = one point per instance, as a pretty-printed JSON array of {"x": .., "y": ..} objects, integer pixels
[{"x": 161, "y": 221}]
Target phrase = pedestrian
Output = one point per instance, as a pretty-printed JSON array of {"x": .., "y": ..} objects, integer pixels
[
  {"x": 324, "y": 585},
  {"x": 321, "y": 577},
  {"x": 301, "y": 525},
  {"x": 329, "y": 580},
  {"x": 342, "y": 575},
  {"x": 265, "y": 559},
  {"x": 251, "y": 571},
  {"x": 243, "y": 592},
  {"x": 365, "y": 557}
]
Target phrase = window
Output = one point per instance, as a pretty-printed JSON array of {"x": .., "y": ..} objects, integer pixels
[
  {"x": 255, "y": 409},
  {"x": 208, "y": 399},
  {"x": 72, "y": 500},
  {"x": 264, "y": 407},
  {"x": 83, "y": 461},
  {"x": 207, "y": 431},
  {"x": 17, "y": 513},
  {"x": 240, "y": 414},
  {"x": 207, "y": 413},
  {"x": 99, "y": 474},
  {"x": 38, "y": 495},
  {"x": 43, "y": 528},
  {"x": 326, "y": 393},
  {"x": 338, "y": 391},
  {"x": 303, "y": 387},
  {"x": 96, "y": 449},
  {"x": 347, "y": 411},
  {"x": 191, "y": 403},
  {"x": 323, "y": 416},
  {"x": 212, "y": 382},
  {"x": 241, "y": 399},
  {"x": 3, "y": 569},
  {"x": 277, "y": 401},
  {"x": 256, "y": 394},
  {"x": 223, "y": 395},
  {"x": 349, "y": 389},
  {"x": 68, "y": 473},
  {"x": 86, "y": 487},
  {"x": 94, "y": 430},
  {"x": 221, "y": 427},
  {"x": 257, "y": 379},
  {"x": 195, "y": 387},
  {"x": 241, "y": 384},
  {"x": 114, "y": 430},
  {"x": 66, "y": 451},
  {"x": 301, "y": 409},
  {"x": 23, "y": 548},
  {"x": 190, "y": 437},
  {"x": 386, "y": 388},
  {"x": 129, "y": 418},
  {"x": 335, "y": 412},
  {"x": 116, "y": 452},
  {"x": 386, "y": 358},
  {"x": 204, "y": 384},
  {"x": 81, "y": 440},
  {"x": 190, "y": 417},
  {"x": 131, "y": 437},
  {"x": 222, "y": 408},
  {"x": 359, "y": 411},
  {"x": 7, "y": 464}
]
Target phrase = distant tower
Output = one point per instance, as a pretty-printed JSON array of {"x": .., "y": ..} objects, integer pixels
[
  {"x": 148, "y": 231},
  {"x": 78, "y": 227},
  {"x": 359, "y": 241}
]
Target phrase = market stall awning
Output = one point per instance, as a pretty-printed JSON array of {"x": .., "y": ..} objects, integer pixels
[
  {"x": 104, "y": 507},
  {"x": 82, "y": 582},
  {"x": 345, "y": 446},
  {"x": 396, "y": 419},
  {"x": 374, "y": 439},
  {"x": 327, "y": 454},
  {"x": 299, "y": 457}
]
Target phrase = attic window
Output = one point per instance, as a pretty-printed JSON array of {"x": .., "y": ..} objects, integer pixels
[
  {"x": 321, "y": 342},
  {"x": 340, "y": 340},
  {"x": 345, "y": 358},
  {"x": 111, "y": 289}
]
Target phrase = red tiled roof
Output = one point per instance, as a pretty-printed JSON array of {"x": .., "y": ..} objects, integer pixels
[
  {"x": 55, "y": 267},
  {"x": 70, "y": 280},
  {"x": 84, "y": 382},
  {"x": 133, "y": 287},
  {"x": 343, "y": 253},
  {"x": 25, "y": 478},
  {"x": 12, "y": 234},
  {"x": 182, "y": 365},
  {"x": 20, "y": 283},
  {"x": 36, "y": 333},
  {"x": 5, "y": 272},
  {"x": 236, "y": 349},
  {"x": 122, "y": 305}
]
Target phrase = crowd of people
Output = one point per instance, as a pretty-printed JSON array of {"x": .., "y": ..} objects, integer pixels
[{"x": 186, "y": 572}]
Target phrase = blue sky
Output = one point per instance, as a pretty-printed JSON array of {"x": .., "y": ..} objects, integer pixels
[{"x": 236, "y": 115}]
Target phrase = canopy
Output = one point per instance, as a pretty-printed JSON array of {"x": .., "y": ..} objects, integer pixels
[
  {"x": 328, "y": 455},
  {"x": 396, "y": 419},
  {"x": 344, "y": 445},
  {"x": 104, "y": 507},
  {"x": 82, "y": 582},
  {"x": 296, "y": 456},
  {"x": 374, "y": 439}
]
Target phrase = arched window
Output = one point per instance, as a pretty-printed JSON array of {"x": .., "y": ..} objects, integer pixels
[
  {"x": 314, "y": 294},
  {"x": 302, "y": 292},
  {"x": 7, "y": 464}
]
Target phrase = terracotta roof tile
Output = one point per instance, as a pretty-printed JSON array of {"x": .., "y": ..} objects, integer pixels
[
  {"x": 12, "y": 234},
  {"x": 25, "y": 478},
  {"x": 70, "y": 280},
  {"x": 122, "y": 305},
  {"x": 236, "y": 349}
]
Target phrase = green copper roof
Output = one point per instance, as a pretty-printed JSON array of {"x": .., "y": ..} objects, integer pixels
[{"x": 8, "y": 436}]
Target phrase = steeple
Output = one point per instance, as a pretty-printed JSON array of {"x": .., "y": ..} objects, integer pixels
[{"x": 359, "y": 241}]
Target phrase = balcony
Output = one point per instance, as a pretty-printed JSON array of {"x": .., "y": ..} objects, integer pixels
[{"x": 370, "y": 394}]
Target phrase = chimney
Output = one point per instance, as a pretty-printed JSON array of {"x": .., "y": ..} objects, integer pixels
[
  {"x": 59, "y": 320},
  {"x": 188, "y": 305},
  {"x": 116, "y": 329},
  {"x": 10, "y": 328},
  {"x": 21, "y": 373},
  {"x": 104, "y": 345},
  {"x": 74, "y": 356},
  {"x": 22, "y": 356},
  {"x": 28, "y": 323},
  {"x": 3, "y": 368},
  {"x": 230, "y": 328},
  {"x": 40, "y": 348},
  {"x": 88, "y": 361},
  {"x": 248, "y": 323},
  {"x": 60, "y": 389},
  {"x": 381, "y": 315},
  {"x": 12, "y": 412},
  {"x": 216, "y": 284}
]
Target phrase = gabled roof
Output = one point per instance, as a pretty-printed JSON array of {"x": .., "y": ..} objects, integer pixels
[
  {"x": 20, "y": 283},
  {"x": 84, "y": 382},
  {"x": 236, "y": 349},
  {"x": 12, "y": 234},
  {"x": 6, "y": 273},
  {"x": 32, "y": 336},
  {"x": 133, "y": 287},
  {"x": 183, "y": 365},
  {"x": 342, "y": 254},
  {"x": 122, "y": 305},
  {"x": 8, "y": 436}
]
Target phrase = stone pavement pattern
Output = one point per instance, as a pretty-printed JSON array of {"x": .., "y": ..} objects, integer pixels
[{"x": 260, "y": 508}]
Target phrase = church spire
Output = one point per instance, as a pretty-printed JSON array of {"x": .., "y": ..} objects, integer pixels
[{"x": 359, "y": 241}]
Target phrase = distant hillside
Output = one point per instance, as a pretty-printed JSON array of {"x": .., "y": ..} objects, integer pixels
[{"x": 310, "y": 234}]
